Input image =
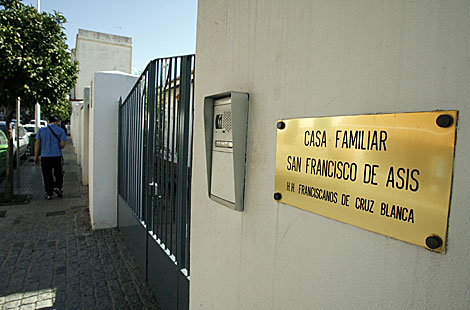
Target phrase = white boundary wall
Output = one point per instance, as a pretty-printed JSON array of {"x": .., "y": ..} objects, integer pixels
[
  {"x": 73, "y": 123},
  {"x": 107, "y": 88},
  {"x": 84, "y": 135},
  {"x": 79, "y": 131},
  {"x": 311, "y": 58}
]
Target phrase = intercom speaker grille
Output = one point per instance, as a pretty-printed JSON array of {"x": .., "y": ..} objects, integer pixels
[{"x": 227, "y": 121}]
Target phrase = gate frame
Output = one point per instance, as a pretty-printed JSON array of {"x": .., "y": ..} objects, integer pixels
[{"x": 166, "y": 272}]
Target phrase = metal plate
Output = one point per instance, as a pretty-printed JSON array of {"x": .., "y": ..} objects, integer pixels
[{"x": 387, "y": 173}]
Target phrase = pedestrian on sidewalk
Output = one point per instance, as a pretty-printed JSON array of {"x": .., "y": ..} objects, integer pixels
[{"x": 51, "y": 139}]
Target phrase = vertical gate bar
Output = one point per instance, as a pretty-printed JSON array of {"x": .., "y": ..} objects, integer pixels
[
  {"x": 169, "y": 163},
  {"x": 154, "y": 153},
  {"x": 119, "y": 176},
  {"x": 135, "y": 152},
  {"x": 121, "y": 153},
  {"x": 162, "y": 134},
  {"x": 162, "y": 151},
  {"x": 131, "y": 164},
  {"x": 191, "y": 136},
  {"x": 178, "y": 163},
  {"x": 124, "y": 150},
  {"x": 131, "y": 155},
  {"x": 154, "y": 160},
  {"x": 134, "y": 155},
  {"x": 121, "y": 143},
  {"x": 141, "y": 151},
  {"x": 187, "y": 196},
  {"x": 128, "y": 131},
  {"x": 141, "y": 189},
  {"x": 183, "y": 132},
  {"x": 127, "y": 151},
  {"x": 159, "y": 151},
  {"x": 129, "y": 138},
  {"x": 155, "y": 149},
  {"x": 144, "y": 146},
  {"x": 145, "y": 133},
  {"x": 173, "y": 151},
  {"x": 149, "y": 102},
  {"x": 150, "y": 144},
  {"x": 165, "y": 149},
  {"x": 144, "y": 149},
  {"x": 143, "y": 167},
  {"x": 169, "y": 154}
]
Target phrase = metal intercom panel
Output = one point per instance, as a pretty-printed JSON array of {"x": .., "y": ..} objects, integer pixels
[{"x": 226, "y": 121}]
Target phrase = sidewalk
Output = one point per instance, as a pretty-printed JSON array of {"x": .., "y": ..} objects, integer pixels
[{"x": 51, "y": 259}]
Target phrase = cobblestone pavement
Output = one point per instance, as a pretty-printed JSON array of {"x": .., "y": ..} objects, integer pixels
[{"x": 51, "y": 259}]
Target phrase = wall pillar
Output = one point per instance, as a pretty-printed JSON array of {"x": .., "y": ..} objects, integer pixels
[
  {"x": 78, "y": 125},
  {"x": 107, "y": 88},
  {"x": 84, "y": 134}
]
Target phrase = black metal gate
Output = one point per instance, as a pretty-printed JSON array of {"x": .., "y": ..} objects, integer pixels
[{"x": 154, "y": 184}]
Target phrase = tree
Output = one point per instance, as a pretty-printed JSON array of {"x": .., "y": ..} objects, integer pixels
[
  {"x": 61, "y": 111},
  {"x": 34, "y": 65}
]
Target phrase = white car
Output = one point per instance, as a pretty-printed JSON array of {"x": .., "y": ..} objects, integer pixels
[
  {"x": 42, "y": 123},
  {"x": 29, "y": 129},
  {"x": 24, "y": 140}
]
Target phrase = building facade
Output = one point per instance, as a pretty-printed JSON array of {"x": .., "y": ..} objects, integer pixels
[
  {"x": 97, "y": 51},
  {"x": 318, "y": 58}
]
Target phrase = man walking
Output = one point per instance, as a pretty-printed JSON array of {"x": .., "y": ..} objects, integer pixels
[{"x": 51, "y": 139}]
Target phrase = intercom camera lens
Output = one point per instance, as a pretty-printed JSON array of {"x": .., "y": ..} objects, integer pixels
[{"x": 218, "y": 121}]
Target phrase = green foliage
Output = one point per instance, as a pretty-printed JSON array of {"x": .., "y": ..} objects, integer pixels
[
  {"x": 34, "y": 65},
  {"x": 61, "y": 110},
  {"x": 34, "y": 61}
]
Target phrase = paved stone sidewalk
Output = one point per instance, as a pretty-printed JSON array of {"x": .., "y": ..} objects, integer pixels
[{"x": 51, "y": 259}]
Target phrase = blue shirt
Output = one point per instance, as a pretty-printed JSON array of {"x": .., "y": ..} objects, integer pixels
[{"x": 50, "y": 146}]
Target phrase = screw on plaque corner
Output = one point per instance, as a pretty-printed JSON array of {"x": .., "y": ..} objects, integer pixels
[
  {"x": 445, "y": 120},
  {"x": 281, "y": 125},
  {"x": 434, "y": 242}
]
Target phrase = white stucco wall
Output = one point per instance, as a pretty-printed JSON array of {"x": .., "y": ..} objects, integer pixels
[
  {"x": 74, "y": 123},
  {"x": 78, "y": 134},
  {"x": 84, "y": 133},
  {"x": 98, "y": 51},
  {"x": 107, "y": 88},
  {"x": 324, "y": 58}
]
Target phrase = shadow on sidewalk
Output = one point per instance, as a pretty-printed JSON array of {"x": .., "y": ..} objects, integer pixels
[{"x": 51, "y": 259}]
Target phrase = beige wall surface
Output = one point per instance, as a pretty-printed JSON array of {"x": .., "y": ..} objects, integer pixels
[{"x": 311, "y": 58}]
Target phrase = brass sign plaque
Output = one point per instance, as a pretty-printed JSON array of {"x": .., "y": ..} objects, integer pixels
[{"x": 387, "y": 173}]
